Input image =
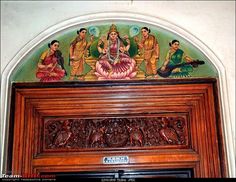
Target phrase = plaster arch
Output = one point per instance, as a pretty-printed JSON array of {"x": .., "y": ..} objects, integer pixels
[{"x": 121, "y": 16}]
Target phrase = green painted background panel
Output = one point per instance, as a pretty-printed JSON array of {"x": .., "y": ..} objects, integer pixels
[{"x": 25, "y": 71}]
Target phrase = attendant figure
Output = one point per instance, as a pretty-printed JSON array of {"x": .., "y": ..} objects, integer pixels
[
  {"x": 78, "y": 53},
  {"x": 114, "y": 61},
  {"x": 51, "y": 64},
  {"x": 177, "y": 62},
  {"x": 150, "y": 48}
]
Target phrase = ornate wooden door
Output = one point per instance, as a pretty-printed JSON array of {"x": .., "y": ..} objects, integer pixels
[{"x": 86, "y": 126}]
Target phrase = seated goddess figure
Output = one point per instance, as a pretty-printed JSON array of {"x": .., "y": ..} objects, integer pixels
[{"x": 114, "y": 60}]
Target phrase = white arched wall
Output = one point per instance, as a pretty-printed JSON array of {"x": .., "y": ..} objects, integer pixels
[{"x": 124, "y": 16}]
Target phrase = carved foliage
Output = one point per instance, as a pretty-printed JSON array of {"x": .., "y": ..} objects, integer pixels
[{"x": 114, "y": 132}]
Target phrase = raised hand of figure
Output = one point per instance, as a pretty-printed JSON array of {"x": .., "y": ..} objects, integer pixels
[
  {"x": 140, "y": 44},
  {"x": 92, "y": 38},
  {"x": 127, "y": 39},
  {"x": 136, "y": 39}
]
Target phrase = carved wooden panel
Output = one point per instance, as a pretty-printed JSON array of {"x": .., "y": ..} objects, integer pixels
[
  {"x": 114, "y": 132},
  {"x": 71, "y": 127}
]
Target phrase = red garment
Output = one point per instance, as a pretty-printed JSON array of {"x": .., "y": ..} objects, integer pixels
[{"x": 50, "y": 74}]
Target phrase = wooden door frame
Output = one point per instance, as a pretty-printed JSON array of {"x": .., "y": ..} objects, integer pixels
[{"x": 19, "y": 95}]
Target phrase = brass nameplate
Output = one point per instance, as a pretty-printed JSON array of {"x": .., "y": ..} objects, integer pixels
[{"x": 116, "y": 160}]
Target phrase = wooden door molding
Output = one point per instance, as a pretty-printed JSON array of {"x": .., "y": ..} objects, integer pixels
[{"x": 70, "y": 127}]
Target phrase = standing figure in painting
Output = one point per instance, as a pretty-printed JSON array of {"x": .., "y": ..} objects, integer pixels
[
  {"x": 114, "y": 61},
  {"x": 177, "y": 63},
  {"x": 150, "y": 48},
  {"x": 51, "y": 64},
  {"x": 78, "y": 53}
]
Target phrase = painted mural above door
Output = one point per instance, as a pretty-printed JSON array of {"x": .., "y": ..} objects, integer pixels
[{"x": 113, "y": 51}]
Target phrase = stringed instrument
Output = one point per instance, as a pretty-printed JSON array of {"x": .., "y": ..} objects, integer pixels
[{"x": 168, "y": 70}]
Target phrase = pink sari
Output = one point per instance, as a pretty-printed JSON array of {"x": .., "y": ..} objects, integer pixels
[{"x": 123, "y": 69}]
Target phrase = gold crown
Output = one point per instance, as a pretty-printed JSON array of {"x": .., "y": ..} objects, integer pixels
[{"x": 113, "y": 28}]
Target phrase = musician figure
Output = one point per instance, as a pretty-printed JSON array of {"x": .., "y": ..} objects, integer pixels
[{"x": 176, "y": 56}]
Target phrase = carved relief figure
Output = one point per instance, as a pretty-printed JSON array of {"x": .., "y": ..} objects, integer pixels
[
  {"x": 150, "y": 48},
  {"x": 135, "y": 134},
  {"x": 63, "y": 135},
  {"x": 51, "y": 64},
  {"x": 52, "y": 129},
  {"x": 177, "y": 63},
  {"x": 97, "y": 136},
  {"x": 114, "y": 132},
  {"x": 168, "y": 133},
  {"x": 78, "y": 52},
  {"x": 114, "y": 61}
]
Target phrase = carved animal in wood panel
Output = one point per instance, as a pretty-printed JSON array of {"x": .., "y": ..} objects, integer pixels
[
  {"x": 167, "y": 133},
  {"x": 135, "y": 135},
  {"x": 64, "y": 135},
  {"x": 115, "y": 132},
  {"x": 97, "y": 136}
]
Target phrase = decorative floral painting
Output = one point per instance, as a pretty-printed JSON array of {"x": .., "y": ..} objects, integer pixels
[{"x": 113, "y": 51}]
